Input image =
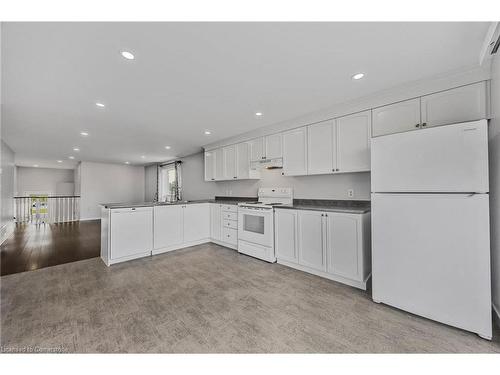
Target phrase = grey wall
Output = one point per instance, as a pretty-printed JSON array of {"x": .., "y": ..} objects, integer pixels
[
  {"x": 150, "y": 183},
  {"x": 108, "y": 183},
  {"x": 494, "y": 157},
  {"x": 194, "y": 185},
  {"x": 7, "y": 177},
  {"x": 54, "y": 181}
]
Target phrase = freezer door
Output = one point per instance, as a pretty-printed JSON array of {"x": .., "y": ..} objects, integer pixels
[
  {"x": 431, "y": 257},
  {"x": 451, "y": 158}
]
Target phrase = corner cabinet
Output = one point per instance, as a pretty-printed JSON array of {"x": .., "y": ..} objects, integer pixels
[{"x": 333, "y": 245}]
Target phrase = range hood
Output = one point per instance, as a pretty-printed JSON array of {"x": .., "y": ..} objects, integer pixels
[{"x": 267, "y": 164}]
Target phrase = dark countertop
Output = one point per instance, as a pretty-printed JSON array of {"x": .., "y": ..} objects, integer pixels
[
  {"x": 221, "y": 200},
  {"x": 344, "y": 206}
]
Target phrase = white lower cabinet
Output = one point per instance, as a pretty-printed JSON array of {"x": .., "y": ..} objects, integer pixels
[
  {"x": 311, "y": 238},
  {"x": 178, "y": 226},
  {"x": 224, "y": 224},
  {"x": 285, "y": 233},
  {"x": 130, "y": 234},
  {"x": 328, "y": 244}
]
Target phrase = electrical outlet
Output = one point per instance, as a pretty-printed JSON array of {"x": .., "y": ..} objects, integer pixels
[{"x": 350, "y": 193}]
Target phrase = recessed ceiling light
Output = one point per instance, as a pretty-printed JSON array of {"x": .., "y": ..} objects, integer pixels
[
  {"x": 207, "y": 132},
  {"x": 36, "y": 165},
  {"x": 143, "y": 156},
  {"x": 127, "y": 162},
  {"x": 358, "y": 76},
  {"x": 100, "y": 105},
  {"x": 59, "y": 161},
  {"x": 128, "y": 55},
  {"x": 258, "y": 113},
  {"x": 76, "y": 149},
  {"x": 71, "y": 157},
  {"x": 167, "y": 147},
  {"x": 84, "y": 134}
]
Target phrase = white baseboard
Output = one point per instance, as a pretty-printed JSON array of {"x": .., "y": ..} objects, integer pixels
[
  {"x": 180, "y": 246},
  {"x": 496, "y": 315},
  {"x": 90, "y": 218}
]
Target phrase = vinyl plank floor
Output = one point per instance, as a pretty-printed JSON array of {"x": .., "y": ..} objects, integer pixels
[{"x": 209, "y": 299}]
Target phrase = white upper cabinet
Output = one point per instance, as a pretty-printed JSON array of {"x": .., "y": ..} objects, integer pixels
[
  {"x": 229, "y": 157},
  {"x": 196, "y": 222},
  {"x": 353, "y": 142},
  {"x": 273, "y": 146},
  {"x": 295, "y": 152},
  {"x": 321, "y": 148},
  {"x": 462, "y": 104},
  {"x": 219, "y": 164},
  {"x": 396, "y": 118},
  {"x": 209, "y": 165},
  {"x": 343, "y": 245},
  {"x": 256, "y": 149},
  {"x": 243, "y": 160},
  {"x": 285, "y": 234},
  {"x": 311, "y": 238}
]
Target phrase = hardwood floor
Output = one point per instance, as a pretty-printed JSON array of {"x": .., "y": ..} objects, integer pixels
[{"x": 31, "y": 246}]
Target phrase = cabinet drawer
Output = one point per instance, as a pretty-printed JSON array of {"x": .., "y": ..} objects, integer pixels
[
  {"x": 230, "y": 224},
  {"x": 229, "y": 207},
  {"x": 229, "y": 215},
  {"x": 230, "y": 235}
]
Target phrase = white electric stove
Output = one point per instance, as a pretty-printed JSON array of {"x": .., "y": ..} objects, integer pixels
[{"x": 256, "y": 223}]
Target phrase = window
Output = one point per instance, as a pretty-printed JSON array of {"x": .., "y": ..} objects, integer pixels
[{"x": 169, "y": 182}]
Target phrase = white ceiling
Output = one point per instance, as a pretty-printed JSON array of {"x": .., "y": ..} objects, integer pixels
[{"x": 189, "y": 77}]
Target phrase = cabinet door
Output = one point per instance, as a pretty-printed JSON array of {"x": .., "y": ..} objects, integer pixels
[
  {"x": 215, "y": 221},
  {"x": 242, "y": 160},
  {"x": 466, "y": 103},
  {"x": 229, "y": 157},
  {"x": 273, "y": 146},
  {"x": 196, "y": 222},
  {"x": 285, "y": 234},
  {"x": 131, "y": 232},
  {"x": 295, "y": 152},
  {"x": 168, "y": 226},
  {"x": 353, "y": 142},
  {"x": 396, "y": 118},
  {"x": 256, "y": 149},
  {"x": 311, "y": 238},
  {"x": 321, "y": 148},
  {"x": 209, "y": 166},
  {"x": 343, "y": 245},
  {"x": 219, "y": 164}
]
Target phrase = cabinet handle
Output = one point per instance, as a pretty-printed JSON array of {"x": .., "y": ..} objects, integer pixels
[
  {"x": 213, "y": 179},
  {"x": 235, "y": 177},
  {"x": 338, "y": 169},
  {"x": 424, "y": 124},
  {"x": 417, "y": 126}
]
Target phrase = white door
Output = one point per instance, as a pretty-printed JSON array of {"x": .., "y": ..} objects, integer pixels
[
  {"x": 196, "y": 222},
  {"x": 256, "y": 149},
  {"x": 343, "y": 245},
  {"x": 396, "y": 118},
  {"x": 353, "y": 142},
  {"x": 321, "y": 148},
  {"x": 431, "y": 256},
  {"x": 242, "y": 160},
  {"x": 131, "y": 232},
  {"x": 209, "y": 166},
  {"x": 215, "y": 221},
  {"x": 285, "y": 234},
  {"x": 168, "y": 226},
  {"x": 451, "y": 158},
  {"x": 273, "y": 146},
  {"x": 466, "y": 103},
  {"x": 229, "y": 157},
  {"x": 295, "y": 152},
  {"x": 219, "y": 164},
  {"x": 311, "y": 238}
]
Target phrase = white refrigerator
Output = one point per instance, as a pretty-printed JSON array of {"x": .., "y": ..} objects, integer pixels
[{"x": 430, "y": 224}]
